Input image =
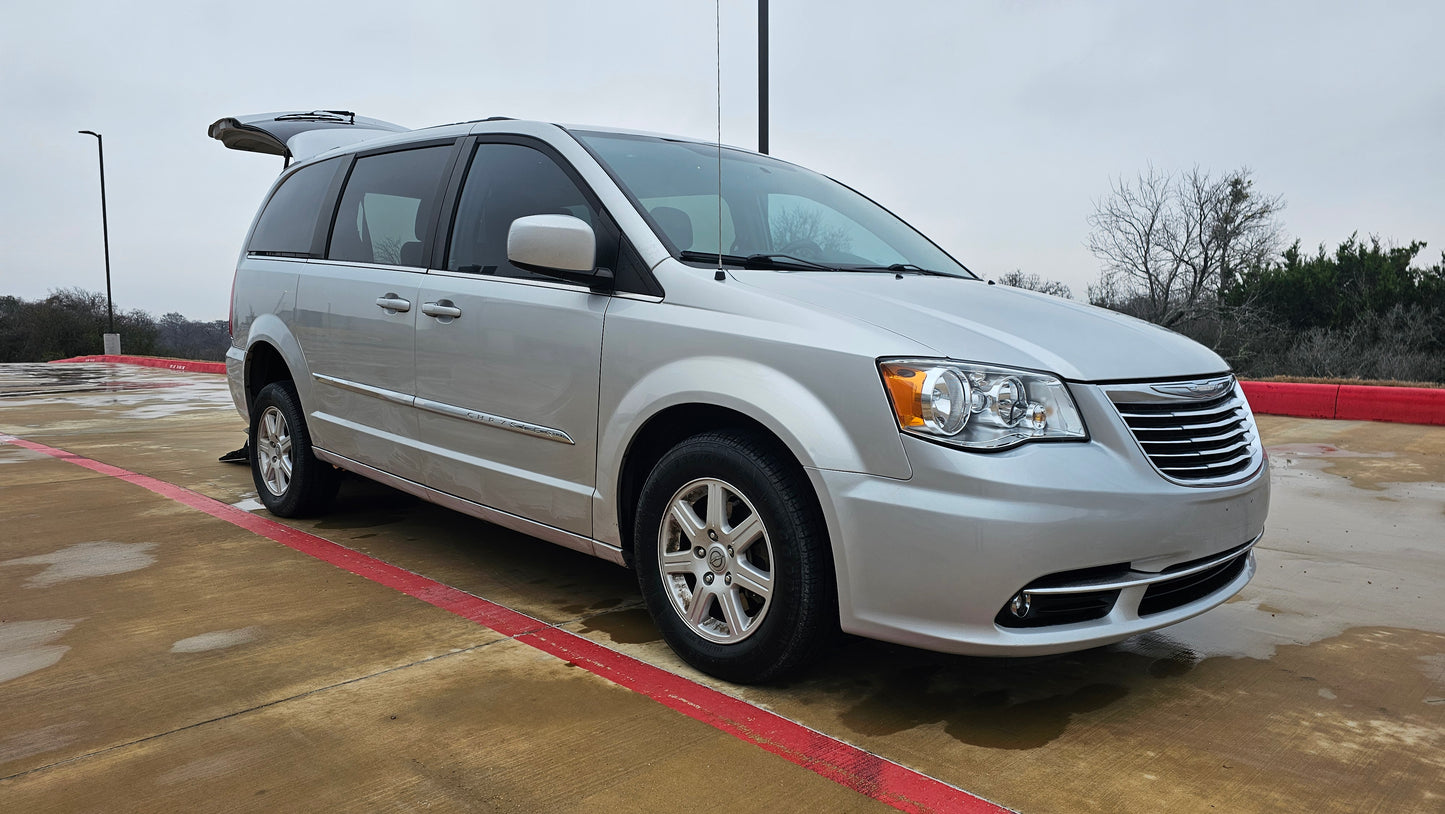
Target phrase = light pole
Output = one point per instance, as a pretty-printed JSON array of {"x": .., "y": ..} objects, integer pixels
[
  {"x": 112, "y": 339},
  {"x": 763, "y": 76}
]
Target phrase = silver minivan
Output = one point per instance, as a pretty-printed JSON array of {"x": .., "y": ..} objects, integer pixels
[{"x": 788, "y": 411}]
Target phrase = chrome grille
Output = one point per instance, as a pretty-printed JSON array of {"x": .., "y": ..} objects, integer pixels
[{"x": 1195, "y": 433}]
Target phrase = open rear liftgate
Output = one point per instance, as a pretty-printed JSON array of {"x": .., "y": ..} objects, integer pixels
[{"x": 298, "y": 134}]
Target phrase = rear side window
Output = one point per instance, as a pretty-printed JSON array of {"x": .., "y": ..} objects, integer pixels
[
  {"x": 506, "y": 182},
  {"x": 387, "y": 207},
  {"x": 288, "y": 223}
]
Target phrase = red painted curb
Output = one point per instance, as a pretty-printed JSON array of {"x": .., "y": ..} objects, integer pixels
[
  {"x": 857, "y": 769},
  {"x": 1284, "y": 398},
  {"x": 151, "y": 361},
  {"x": 1401, "y": 405},
  {"x": 1407, "y": 405}
]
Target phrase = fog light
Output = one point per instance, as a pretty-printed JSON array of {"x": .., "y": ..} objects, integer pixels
[{"x": 1020, "y": 605}]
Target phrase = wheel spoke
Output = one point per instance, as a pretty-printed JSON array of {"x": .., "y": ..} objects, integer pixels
[
  {"x": 687, "y": 521},
  {"x": 716, "y": 505},
  {"x": 732, "y": 610},
  {"x": 745, "y": 533},
  {"x": 283, "y": 446},
  {"x": 748, "y": 577},
  {"x": 679, "y": 562},
  {"x": 701, "y": 603}
]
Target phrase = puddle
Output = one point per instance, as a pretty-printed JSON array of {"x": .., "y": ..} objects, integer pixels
[
  {"x": 1353, "y": 450},
  {"x": 975, "y": 713},
  {"x": 136, "y": 393},
  {"x": 626, "y": 626},
  {"x": 16, "y": 455},
  {"x": 25, "y": 647},
  {"x": 85, "y": 560},
  {"x": 216, "y": 640},
  {"x": 1370, "y": 694}
]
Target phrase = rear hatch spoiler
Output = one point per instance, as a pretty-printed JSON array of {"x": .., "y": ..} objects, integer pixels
[{"x": 298, "y": 134}]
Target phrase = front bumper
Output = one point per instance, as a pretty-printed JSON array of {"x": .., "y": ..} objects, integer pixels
[{"x": 932, "y": 561}]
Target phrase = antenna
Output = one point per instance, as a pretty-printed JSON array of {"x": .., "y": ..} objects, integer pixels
[{"x": 717, "y": 22}]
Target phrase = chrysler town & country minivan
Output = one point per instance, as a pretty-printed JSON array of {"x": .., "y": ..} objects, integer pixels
[{"x": 791, "y": 413}]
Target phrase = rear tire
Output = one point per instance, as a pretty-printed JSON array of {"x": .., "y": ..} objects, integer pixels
[
  {"x": 290, "y": 479},
  {"x": 733, "y": 558}
]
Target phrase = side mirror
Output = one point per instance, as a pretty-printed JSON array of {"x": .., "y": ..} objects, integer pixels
[{"x": 557, "y": 246}]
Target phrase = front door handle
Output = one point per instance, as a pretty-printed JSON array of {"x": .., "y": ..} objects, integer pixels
[
  {"x": 445, "y": 310},
  {"x": 393, "y": 304}
]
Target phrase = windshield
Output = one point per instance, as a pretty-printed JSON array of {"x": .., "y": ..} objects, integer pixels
[{"x": 772, "y": 215}]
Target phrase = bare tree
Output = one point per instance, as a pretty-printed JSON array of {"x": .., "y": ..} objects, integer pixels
[
  {"x": 1172, "y": 246},
  {"x": 1034, "y": 282}
]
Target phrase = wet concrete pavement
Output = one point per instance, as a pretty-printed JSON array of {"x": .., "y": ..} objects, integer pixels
[{"x": 152, "y": 656}]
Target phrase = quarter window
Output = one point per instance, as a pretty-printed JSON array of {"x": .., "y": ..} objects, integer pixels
[
  {"x": 287, "y": 226},
  {"x": 387, "y": 207}
]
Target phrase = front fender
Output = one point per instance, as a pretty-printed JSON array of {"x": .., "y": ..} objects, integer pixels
[{"x": 813, "y": 431}]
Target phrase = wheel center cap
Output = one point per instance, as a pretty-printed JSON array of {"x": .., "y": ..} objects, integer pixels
[{"x": 717, "y": 560}]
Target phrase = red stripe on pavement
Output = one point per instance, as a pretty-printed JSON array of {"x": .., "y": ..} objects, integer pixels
[
  {"x": 860, "y": 770},
  {"x": 187, "y": 365}
]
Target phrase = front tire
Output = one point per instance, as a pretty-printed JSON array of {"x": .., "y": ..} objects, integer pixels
[
  {"x": 733, "y": 559},
  {"x": 290, "y": 479}
]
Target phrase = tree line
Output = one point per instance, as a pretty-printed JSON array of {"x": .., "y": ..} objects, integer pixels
[
  {"x": 1208, "y": 257},
  {"x": 71, "y": 322},
  {"x": 1202, "y": 255}
]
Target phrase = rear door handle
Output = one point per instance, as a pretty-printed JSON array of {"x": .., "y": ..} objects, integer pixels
[
  {"x": 441, "y": 309},
  {"x": 393, "y": 304}
]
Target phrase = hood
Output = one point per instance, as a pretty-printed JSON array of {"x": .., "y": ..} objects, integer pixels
[{"x": 970, "y": 320}]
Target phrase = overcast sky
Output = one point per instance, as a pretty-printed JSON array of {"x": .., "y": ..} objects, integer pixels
[{"x": 992, "y": 127}]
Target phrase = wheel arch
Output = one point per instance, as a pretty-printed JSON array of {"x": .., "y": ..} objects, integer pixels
[
  {"x": 674, "y": 424},
  {"x": 264, "y": 365},
  {"x": 273, "y": 354}
]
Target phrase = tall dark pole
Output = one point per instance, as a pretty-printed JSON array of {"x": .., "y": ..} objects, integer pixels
[
  {"x": 104, "y": 231},
  {"x": 763, "y": 76}
]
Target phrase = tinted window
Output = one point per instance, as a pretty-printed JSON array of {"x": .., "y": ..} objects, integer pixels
[
  {"x": 288, "y": 223},
  {"x": 387, "y": 205},
  {"x": 506, "y": 182}
]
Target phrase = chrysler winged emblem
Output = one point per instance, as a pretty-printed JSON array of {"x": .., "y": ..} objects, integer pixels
[{"x": 1207, "y": 389}]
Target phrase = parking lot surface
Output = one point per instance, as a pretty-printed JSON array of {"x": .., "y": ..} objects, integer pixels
[{"x": 154, "y": 656}]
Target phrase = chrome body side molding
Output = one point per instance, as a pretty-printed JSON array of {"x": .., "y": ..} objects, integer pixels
[
  {"x": 440, "y": 408},
  {"x": 365, "y": 389},
  {"x": 500, "y": 422}
]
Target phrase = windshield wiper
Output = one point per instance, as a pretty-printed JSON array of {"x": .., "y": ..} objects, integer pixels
[
  {"x": 899, "y": 268},
  {"x": 757, "y": 261}
]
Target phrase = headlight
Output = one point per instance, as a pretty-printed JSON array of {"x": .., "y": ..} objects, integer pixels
[{"x": 979, "y": 406}]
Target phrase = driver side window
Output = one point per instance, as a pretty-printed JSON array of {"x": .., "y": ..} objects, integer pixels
[{"x": 506, "y": 182}]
